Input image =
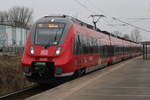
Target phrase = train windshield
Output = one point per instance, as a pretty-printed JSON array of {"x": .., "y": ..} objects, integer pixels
[{"x": 48, "y": 34}]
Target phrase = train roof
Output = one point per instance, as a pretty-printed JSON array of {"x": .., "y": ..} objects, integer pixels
[{"x": 70, "y": 19}]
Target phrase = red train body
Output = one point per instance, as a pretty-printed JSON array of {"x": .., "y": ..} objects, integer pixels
[{"x": 61, "y": 46}]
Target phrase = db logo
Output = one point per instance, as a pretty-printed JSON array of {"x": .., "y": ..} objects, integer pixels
[{"x": 44, "y": 52}]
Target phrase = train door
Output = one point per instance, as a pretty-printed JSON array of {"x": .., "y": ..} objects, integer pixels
[
  {"x": 80, "y": 46},
  {"x": 77, "y": 51}
]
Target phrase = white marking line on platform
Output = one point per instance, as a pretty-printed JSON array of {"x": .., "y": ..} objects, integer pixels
[
  {"x": 125, "y": 88},
  {"x": 71, "y": 91},
  {"x": 120, "y": 95}
]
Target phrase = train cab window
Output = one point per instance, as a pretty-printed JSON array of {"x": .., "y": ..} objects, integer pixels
[{"x": 48, "y": 34}]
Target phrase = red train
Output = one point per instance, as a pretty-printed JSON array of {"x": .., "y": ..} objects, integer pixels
[{"x": 61, "y": 46}]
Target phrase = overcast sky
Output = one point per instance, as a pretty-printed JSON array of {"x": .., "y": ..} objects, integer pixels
[{"x": 121, "y": 9}]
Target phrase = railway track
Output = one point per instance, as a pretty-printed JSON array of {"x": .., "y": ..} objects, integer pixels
[
  {"x": 13, "y": 94},
  {"x": 28, "y": 92},
  {"x": 32, "y": 90}
]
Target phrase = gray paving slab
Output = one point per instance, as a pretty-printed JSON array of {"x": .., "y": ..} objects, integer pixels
[{"x": 129, "y": 80}]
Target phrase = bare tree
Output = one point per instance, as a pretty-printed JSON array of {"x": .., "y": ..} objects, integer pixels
[
  {"x": 136, "y": 36},
  {"x": 20, "y": 16},
  {"x": 17, "y": 16},
  {"x": 3, "y": 17},
  {"x": 126, "y": 36}
]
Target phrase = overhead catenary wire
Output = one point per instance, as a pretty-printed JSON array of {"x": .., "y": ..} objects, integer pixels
[
  {"x": 135, "y": 18},
  {"x": 114, "y": 18},
  {"x": 109, "y": 23},
  {"x": 145, "y": 30},
  {"x": 85, "y": 7},
  {"x": 106, "y": 15},
  {"x": 131, "y": 24}
]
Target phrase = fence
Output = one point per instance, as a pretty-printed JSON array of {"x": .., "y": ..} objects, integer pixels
[
  {"x": 12, "y": 49},
  {"x": 12, "y": 36}
]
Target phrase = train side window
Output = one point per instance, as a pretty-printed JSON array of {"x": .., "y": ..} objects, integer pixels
[
  {"x": 102, "y": 48},
  {"x": 92, "y": 46},
  {"x": 76, "y": 45},
  {"x": 98, "y": 44},
  {"x": 85, "y": 45},
  {"x": 106, "y": 53},
  {"x": 93, "y": 41},
  {"x": 79, "y": 44},
  {"x": 122, "y": 50},
  {"x": 118, "y": 50},
  {"x": 82, "y": 42},
  {"x": 88, "y": 42},
  {"x": 103, "y": 53},
  {"x": 115, "y": 50},
  {"x": 112, "y": 50},
  {"x": 109, "y": 51},
  {"x": 106, "y": 50}
]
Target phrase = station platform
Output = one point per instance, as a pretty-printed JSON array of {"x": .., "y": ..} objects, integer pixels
[{"x": 128, "y": 80}]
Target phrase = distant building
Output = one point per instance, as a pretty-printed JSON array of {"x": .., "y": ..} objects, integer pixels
[{"x": 12, "y": 36}]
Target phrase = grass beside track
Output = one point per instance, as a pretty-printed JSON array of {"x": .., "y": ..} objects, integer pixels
[{"x": 11, "y": 76}]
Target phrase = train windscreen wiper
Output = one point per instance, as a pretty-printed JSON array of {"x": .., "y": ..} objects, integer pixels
[{"x": 55, "y": 38}]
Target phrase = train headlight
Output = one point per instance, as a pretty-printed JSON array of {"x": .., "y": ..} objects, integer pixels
[
  {"x": 58, "y": 50},
  {"x": 31, "y": 50}
]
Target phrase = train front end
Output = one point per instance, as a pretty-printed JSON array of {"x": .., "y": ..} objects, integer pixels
[{"x": 46, "y": 55}]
